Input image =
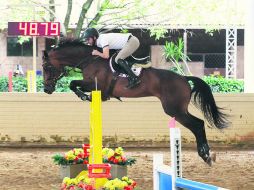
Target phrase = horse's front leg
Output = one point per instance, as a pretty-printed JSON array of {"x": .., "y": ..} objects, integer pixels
[{"x": 80, "y": 88}]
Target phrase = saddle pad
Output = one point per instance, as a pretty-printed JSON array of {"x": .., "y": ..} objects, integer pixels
[{"x": 136, "y": 70}]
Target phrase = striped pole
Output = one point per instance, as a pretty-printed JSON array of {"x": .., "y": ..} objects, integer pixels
[
  {"x": 175, "y": 147},
  {"x": 31, "y": 86},
  {"x": 10, "y": 82}
]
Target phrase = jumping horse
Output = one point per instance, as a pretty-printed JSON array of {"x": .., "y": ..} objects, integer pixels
[{"x": 173, "y": 90}]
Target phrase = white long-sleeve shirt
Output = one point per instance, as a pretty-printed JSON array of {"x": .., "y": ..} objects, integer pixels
[{"x": 112, "y": 40}]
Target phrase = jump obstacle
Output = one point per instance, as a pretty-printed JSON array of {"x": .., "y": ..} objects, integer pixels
[
  {"x": 170, "y": 178},
  {"x": 96, "y": 169}
]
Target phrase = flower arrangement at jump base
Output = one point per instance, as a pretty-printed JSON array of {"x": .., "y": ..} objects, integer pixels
[
  {"x": 74, "y": 156},
  {"x": 116, "y": 157},
  {"x": 77, "y": 156},
  {"x": 83, "y": 183},
  {"x": 120, "y": 184}
]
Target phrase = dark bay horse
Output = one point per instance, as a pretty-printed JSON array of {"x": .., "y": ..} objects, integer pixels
[{"x": 173, "y": 90}]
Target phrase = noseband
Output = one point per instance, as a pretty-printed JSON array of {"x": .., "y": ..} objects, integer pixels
[{"x": 53, "y": 71}]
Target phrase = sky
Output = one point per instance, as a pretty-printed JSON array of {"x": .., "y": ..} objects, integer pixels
[{"x": 190, "y": 12}]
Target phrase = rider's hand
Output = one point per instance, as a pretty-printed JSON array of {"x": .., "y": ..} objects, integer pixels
[{"x": 95, "y": 52}]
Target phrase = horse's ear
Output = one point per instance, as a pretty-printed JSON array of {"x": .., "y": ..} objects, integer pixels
[{"x": 45, "y": 54}]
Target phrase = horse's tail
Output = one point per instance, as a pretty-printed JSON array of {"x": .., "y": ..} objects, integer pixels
[{"x": 204, "y": 100}]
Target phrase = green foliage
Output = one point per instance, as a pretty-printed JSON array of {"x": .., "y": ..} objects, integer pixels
[
  {"x": 128, "y": 162},
  {"x": 174, "y": 53},
  {"x": 59, "y": 159},
  {"x": 124, "y": 31},
  {"x": 73, "y": 72},
  {"x": 158, "y": 32},
  {"x": 223, "y": 85},
  {"x": 20, "y": 84},
  {"x": 3, "y": 84},
  {"x": 217, "y": 84},
  {"x": 22, "y": 39}
]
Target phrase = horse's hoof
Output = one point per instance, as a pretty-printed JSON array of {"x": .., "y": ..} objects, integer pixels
[
  {"x": 209, "y": 161},
  {"x": 213, "y": 156},
  {"x": 84, "y": 98}
]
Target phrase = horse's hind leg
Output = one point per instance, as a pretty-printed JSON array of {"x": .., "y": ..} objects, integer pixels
[{"x": 195, "y": 125}]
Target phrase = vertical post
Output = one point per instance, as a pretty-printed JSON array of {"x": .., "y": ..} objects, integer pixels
[
  {"x": 95, "y": 129},
  {"x": 34, "y": 56},
  {"x": 248, "y": 48},
  {"x": 10, "y": 82},
  {"x": 34, "y": 63},
  {"x": 95, "y": 156},
  {"x": 30, "y": 81},
  {"x": 231, "y": 52},
  {"x": 175, "y": 150},
  {"x": 157, "y": 161}
]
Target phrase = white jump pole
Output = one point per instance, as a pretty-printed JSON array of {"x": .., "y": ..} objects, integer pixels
[
  {"x": 173, "y": 179},
  {"x": 175, "y": 147}
]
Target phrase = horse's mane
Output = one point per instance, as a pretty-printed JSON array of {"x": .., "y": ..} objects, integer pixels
[{"x": 71, "y": 42}]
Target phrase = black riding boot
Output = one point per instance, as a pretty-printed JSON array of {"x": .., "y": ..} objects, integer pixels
[{"x": 133, "y": 79}]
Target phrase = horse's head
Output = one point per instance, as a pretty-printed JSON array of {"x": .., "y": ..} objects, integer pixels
[
  {"x": 51, "y": 73},
  {"x": 69, "y": 52}
]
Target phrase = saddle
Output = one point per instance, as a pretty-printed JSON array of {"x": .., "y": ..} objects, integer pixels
[{"x": 136, "y": 64}]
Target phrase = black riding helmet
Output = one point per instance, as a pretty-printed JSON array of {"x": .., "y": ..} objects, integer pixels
[{"x": 90, "y": 33}]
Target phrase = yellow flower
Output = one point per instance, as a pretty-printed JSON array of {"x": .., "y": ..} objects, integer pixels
[
  {"x": 130, "y": 181},
  {"x": 105, "y": 151},
  {"x": 110, "y": 153},
  {"x": 124, "y": 183},
  {"x": 125, "y": 178},
  {"x": 119, "y": 150},
  {"x": 77, "y": 151},
  {"x": 67, "y": 181},
  {"x": 88, "y": 180},
  {"x": 70, "y": 157},
  {"x": 81, "y": 178},
  {"x": 74, "y": 181}
]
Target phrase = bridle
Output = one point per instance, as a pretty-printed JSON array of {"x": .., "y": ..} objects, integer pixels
[{"x": 53, "y": 71}]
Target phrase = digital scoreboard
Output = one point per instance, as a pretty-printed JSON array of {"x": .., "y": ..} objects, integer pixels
[{"x": 33, "y": 28}]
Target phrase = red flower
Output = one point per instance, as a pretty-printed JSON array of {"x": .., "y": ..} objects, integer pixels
[
  {"x": 134, "y": 184},
  {"x": 89, "y": 187},
  {"x": 111, "y": 159},
  {"x": 115, "y": 161},
  {"x": 124, "y": 159},
  {"x": 81, "y": 185},
  {"x": 72, "y": 188},
  {"x": 129, "y": 187},
  {"x": 63, "y": 186}
]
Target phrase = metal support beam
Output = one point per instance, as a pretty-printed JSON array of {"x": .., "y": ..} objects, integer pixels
[{"x": 231, "y": 51}]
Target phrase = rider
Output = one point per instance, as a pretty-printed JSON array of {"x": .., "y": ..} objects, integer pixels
[{"x": 126, "y": 43}]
